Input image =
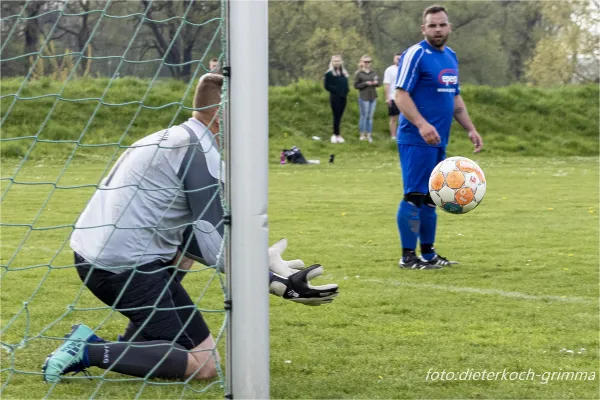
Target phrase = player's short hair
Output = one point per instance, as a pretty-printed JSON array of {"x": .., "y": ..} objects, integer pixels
[
  {"x": 208, "y": 92},
  {"x": 214, "y": 60},
  {"x": 436, "y": 8}
]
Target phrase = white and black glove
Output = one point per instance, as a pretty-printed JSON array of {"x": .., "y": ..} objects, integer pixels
[{"x": 292, "y": 281}]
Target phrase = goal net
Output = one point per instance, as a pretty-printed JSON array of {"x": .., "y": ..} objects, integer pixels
[{"x": 81, "y": 81}]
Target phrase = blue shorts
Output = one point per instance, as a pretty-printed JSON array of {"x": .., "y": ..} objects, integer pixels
[{"x": 417, "y": 162}]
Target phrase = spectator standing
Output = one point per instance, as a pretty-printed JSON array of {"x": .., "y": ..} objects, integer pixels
[
  {"x": 336, "y": 83},
  {"x": 366, "y": 81},
  {"x": 389, "y": 79}
]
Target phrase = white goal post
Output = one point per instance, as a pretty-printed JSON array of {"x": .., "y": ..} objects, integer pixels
[{"x": 247, "y": 137}]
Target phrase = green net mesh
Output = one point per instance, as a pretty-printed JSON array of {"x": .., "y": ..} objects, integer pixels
[{"x": 81, "y": 81}]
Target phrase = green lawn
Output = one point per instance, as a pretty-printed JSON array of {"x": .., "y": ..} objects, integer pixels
[{"x": 525, "y": 292}]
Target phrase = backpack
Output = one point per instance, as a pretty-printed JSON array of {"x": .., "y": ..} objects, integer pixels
[{"x": 294, "y": 156}]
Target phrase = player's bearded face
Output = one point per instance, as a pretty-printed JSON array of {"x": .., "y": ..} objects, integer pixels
[{"x": 436, "y": 29}]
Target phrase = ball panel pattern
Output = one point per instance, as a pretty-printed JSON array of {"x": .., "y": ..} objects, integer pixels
[{"x": 457, "y": 185}]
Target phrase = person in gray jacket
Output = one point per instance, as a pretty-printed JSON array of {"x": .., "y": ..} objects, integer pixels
[
  {"x": 157, "y": 210},
  {"x": 366, "y": 81}
]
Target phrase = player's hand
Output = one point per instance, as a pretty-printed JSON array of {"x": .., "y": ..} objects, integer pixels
[
  {"x": 278, "y": 265},
  {"x": 476, "y": 140},
  {"x": 291, "y": 281},
  {"x": 297, "y": 287},
  {"x": 389, "y": 102},
  {"x": 429, "y": 134}
]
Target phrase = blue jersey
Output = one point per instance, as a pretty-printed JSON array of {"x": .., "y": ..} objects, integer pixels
[{"x": 431, "y": 77}]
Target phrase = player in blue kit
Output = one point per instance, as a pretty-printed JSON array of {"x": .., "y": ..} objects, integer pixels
[{"x": 428, "y": 96}]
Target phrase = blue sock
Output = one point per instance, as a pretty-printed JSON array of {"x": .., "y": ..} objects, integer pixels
[
  {"x": 408, "y": 224},
  {"x": 427, "y": 231}
]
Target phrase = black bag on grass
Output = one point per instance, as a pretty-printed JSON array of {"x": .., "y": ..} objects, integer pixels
[{"x": 294, "y": 156}]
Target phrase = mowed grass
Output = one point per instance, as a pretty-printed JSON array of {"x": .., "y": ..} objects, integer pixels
[{"x": 526, "y": 289}]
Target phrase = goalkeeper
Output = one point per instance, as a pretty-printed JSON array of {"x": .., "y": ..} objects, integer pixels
[{"x": 138, "y": 227}]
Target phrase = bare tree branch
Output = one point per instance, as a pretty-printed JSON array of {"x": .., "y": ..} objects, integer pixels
[
  {"x": 468, "y": 20},
  {"x": 67, "y": 30}
]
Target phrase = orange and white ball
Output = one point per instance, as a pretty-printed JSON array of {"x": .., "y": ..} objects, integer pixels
[{"x": 457, "y": 185}]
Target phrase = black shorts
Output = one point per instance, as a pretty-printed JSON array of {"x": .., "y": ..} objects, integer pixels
[
  {"x": 393, "y": 110},
  {"x": 163, "y": 313}
]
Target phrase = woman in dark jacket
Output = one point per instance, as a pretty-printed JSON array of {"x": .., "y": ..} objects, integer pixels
[{"x": 336, "y": 82}]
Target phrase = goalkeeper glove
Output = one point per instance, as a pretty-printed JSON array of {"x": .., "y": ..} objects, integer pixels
[{"x": 292, "y": 282}]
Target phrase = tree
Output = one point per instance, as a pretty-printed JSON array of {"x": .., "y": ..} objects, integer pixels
[
  {"x": 175, "y": 36},
  {"x": 79, "y": 28},
  {"x": 570, "y": 35},
  {"x": 326, "y": 42},
  {"x": 520, "y": 24},
  {"x": 304, "y": 35}
]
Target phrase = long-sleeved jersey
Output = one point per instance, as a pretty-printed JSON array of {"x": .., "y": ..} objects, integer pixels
[{"x": 163, "y": 185}]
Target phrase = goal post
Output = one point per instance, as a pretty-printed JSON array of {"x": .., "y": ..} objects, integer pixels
[
  {"x": 63, "y": 127},
  {"x": 248, "y": 344}
]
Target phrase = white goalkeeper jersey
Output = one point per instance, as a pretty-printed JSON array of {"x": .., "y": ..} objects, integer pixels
[{"x": 159, "y": 191}]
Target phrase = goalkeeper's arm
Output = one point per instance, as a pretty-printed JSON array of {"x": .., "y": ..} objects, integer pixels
[
  {"x": 287, "y": 279},
  {"x": 202, "y": 242}
]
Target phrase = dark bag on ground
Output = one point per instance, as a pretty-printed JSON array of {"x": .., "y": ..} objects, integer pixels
[{"x": 294, "y": 156}]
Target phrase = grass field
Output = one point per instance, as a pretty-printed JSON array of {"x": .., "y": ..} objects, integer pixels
[{"x": 526, "y": 290}]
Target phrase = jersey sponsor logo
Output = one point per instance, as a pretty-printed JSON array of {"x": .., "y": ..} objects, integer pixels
[{"x": 448, "y": 77}]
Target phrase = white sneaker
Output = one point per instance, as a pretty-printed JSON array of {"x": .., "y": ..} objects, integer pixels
[
  {"x": 362, "y": 137},
  {"x": 370, "y": 139},
  {"x": 334, "y": 139},
  {"x": 340, "y": 139}
]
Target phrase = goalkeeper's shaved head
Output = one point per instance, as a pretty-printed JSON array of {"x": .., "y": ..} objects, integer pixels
[{"x": 208, "y": 95}]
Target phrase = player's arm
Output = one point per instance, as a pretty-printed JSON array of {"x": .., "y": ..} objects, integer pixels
[
  {"x": 406, "y": 80},
  {"x": 328, "y": 82},
  {"x": 386, "y": 92},
  {"x": 203, "y": 239},
  {"x": 388, "y": 79},
  {"x": 202, "y": 243},
  {"x": 408, "y": 108},
  {"x": 462, "y": 117}
]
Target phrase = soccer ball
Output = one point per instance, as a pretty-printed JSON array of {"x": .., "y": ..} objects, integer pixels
[{"x": 457, "y": 185}]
